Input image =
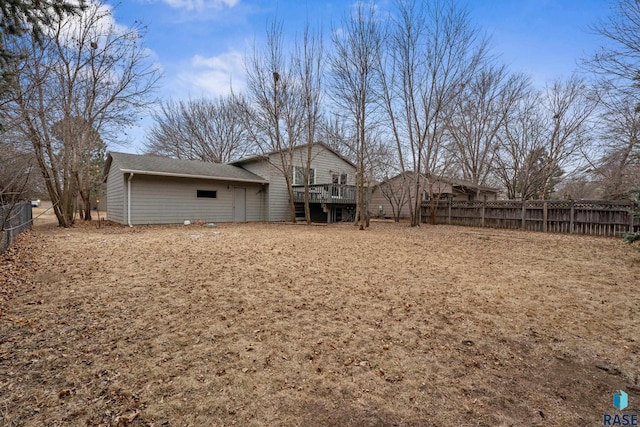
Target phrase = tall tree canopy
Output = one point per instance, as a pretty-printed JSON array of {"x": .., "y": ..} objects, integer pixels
[{"x": 77, "y": 86}]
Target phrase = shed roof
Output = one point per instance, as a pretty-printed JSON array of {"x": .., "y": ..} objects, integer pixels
[{"x": 146, "y": 164}]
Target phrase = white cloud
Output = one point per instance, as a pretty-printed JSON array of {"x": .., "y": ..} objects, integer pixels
[
  {"x": 200, "y": 4},
  {"x": 96, "y": 23},
  {"x": 215, "y": 76}
]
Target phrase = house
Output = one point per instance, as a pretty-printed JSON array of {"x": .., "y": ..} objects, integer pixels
[
  {"x": 391, "y": 196},
  {"x": 331, "y": 183},
  {"x": 148, "y": 189},
  {"x": 460, "y": 190}
]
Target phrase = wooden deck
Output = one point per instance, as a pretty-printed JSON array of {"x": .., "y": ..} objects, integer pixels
[{"x": 326, "y": 193}]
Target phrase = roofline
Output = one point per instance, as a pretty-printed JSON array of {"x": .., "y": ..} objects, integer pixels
[
  {"x": 265, "y": 156},
  {"x": 475, "y": 187},
  {"x": 181, "y": 175},
  {"x": 107, "y": 167},
  {"x": 451, "y": 181}
]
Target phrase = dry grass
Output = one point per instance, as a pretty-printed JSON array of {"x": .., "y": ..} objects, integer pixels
[{"x": 271, "y": 324}]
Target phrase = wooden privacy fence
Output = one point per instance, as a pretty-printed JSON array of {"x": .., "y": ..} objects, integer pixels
[{"x": 599, "y": 218}]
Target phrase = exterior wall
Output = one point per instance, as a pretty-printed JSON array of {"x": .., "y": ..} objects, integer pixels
[
  {"x": 378, "y": 198},
  {"x": 323, "y": 161},
  {"x": 165, "y": 200},
  {"x": 272, "y": 192},
  {"x": 278, "y": 197},
  {"x": 116, "y": 191},
  {"x": 379, "y": 205}
]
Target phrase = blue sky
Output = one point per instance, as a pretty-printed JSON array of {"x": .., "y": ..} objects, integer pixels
[{"x": 200, "y": 44}]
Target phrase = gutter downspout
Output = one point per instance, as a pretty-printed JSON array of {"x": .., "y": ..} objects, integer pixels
[{"x": 129, "y": 199}]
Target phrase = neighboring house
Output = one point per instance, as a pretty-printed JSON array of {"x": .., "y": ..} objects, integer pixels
[
  {"x": 148, "y": 189},
  {"x": 392, "y": 195},
  {"x": 390, "y": 198},
  {"x": 458, "y": 189}
]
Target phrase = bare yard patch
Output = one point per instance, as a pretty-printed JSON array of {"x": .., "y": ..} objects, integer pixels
[{"x": 271, "y": 324}]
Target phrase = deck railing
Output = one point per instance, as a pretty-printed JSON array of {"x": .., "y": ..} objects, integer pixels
[{"x": 326, "y": 193}]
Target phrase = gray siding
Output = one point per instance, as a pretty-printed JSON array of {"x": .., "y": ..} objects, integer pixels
[
  {"x": 115, "y": 190},
  {"x": 262, "y": 169},
  {"x": 171, "y": 200},
  {"x": 165, "y": 200},
  {"x": 323, "y": 161},
  {"x": 278, "y": 197}
]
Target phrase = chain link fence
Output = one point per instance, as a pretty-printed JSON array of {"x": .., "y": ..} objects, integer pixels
[{"x": 14, "y": 219}]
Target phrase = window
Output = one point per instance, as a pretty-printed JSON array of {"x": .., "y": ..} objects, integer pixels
[
  {"x": 207, "y": 194},
  {"x": 339, "y": 179},
  {"x": 299, "y": 173}
]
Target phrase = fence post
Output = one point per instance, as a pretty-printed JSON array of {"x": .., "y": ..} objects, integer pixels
[
  {"x": 571, "y": 218},
  {"x": 545, "y": 215},
  {"x": 482, "y": 214},
  {"x": 449, "y": 214},
  {"x": 524, "y": 214}
]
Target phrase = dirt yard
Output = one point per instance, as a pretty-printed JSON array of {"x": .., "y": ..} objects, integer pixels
[{"x": 283, "y": 325}]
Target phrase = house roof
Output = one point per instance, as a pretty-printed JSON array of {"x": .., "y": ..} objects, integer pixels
[
  {"x": 146, "y": 164},
  {"x": 452, "y": 181},
  {"x": 264, "y": 156},
  {"x": 468, "y": 184}
]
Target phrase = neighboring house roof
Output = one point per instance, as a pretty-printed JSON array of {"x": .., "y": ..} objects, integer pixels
[
  {"x": 459, "y": 183},
  {"x": 297, "y": 147},
  {"x": 166, "y": 166},
  {"x": 468, "y": 184},
  {"x": 406, "y": 174}
]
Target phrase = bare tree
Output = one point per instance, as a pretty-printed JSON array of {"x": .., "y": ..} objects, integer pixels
[
  {"x": 617, "y": 63},
  {"x": 335, "y": 131},
  {"x": 17, "y": 18},
  {"x": 618, "y": 169},
  {"x": 569, "y": 105},
  {"x": 478, "y": 115},
  {"x": 353, "y": 72},
  {"x": 309, "y": 69},
  {"x": 274, "y": 112},
  {"x": 15, "y": 174},
  {"x": 211, "y": 130},
  {"x": 87, "y": 73},
  {"x": 522, "y": 133},
  {"x": 545, "y": 134},
  {"x": 396, "y": 192},
  {"x": 81, "y": 145},
  {"x": 433, "y": 51},
  {"x": 616, "y": 66}
]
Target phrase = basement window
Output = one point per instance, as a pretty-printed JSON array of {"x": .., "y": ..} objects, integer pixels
[{"x": 207, "y": 194}]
